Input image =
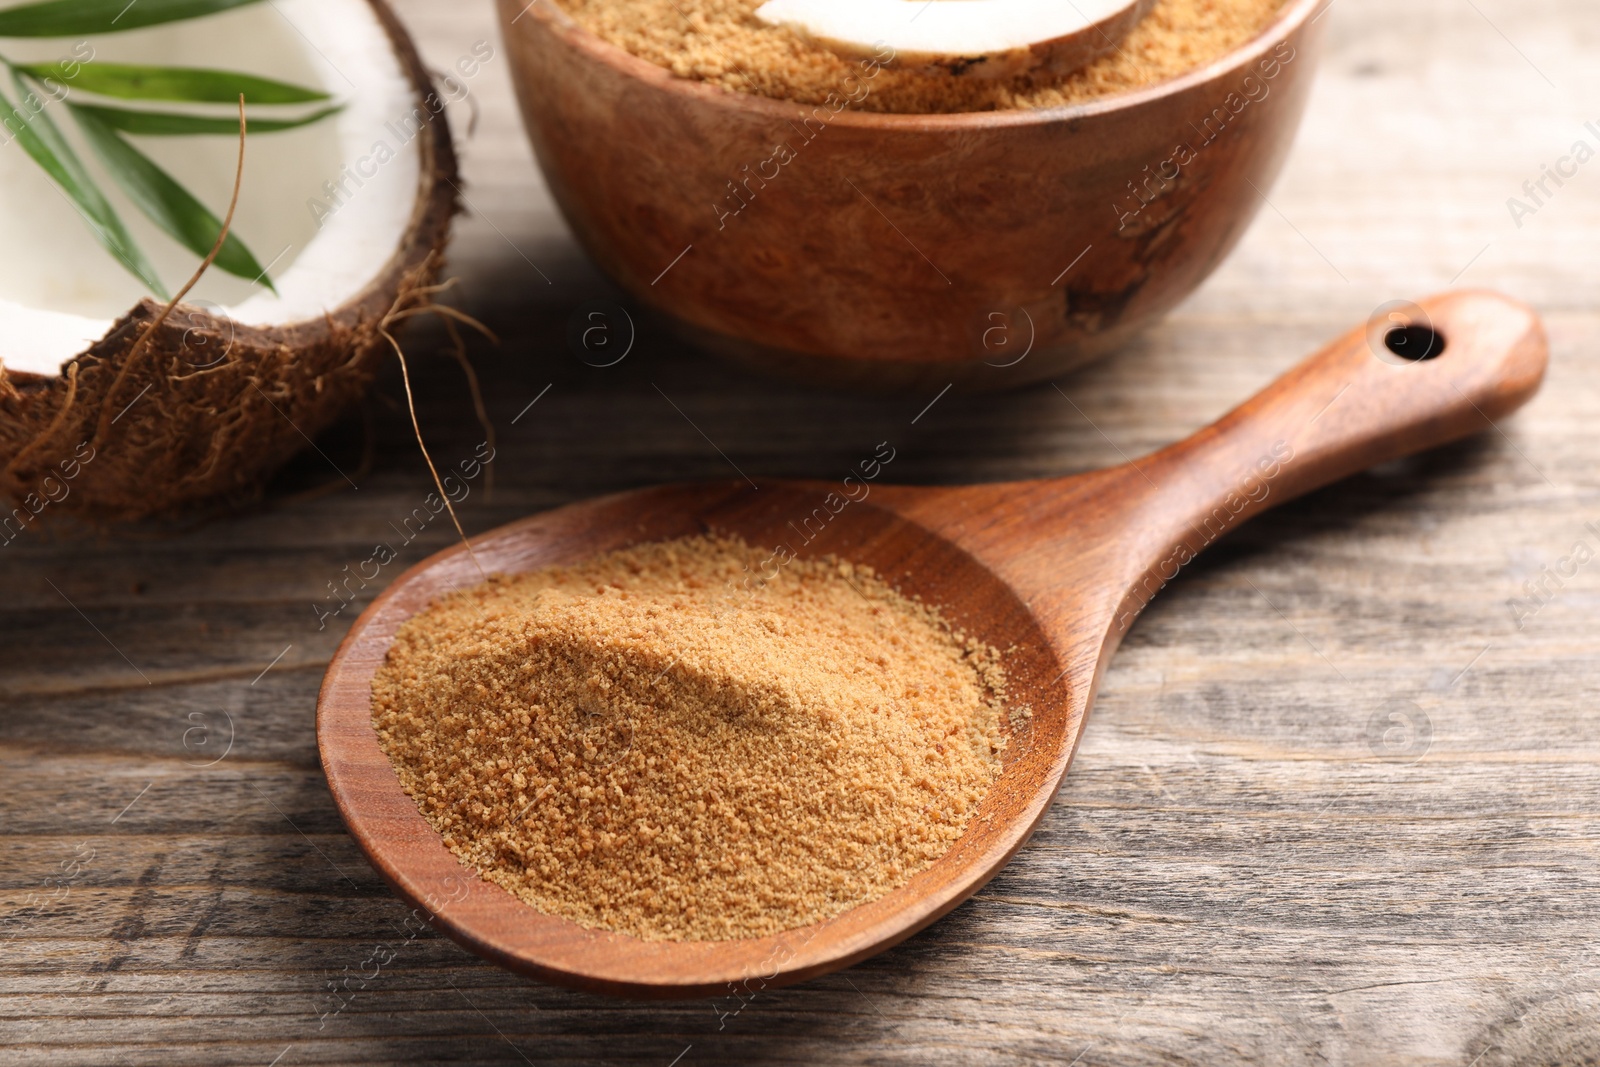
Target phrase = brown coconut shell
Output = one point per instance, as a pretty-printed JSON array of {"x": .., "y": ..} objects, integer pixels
[{"x": 114, "y": 439}]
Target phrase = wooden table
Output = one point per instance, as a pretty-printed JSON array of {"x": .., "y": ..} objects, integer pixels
[{"x": 1337, "y": 803}]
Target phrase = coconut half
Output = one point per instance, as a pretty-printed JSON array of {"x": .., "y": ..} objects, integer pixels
[
  {"x": 353, "y": 212},
  {"x": 967, "y": 38}
]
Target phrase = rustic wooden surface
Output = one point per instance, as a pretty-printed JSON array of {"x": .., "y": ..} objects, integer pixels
[
  {"x": 1053, "y": 570},
  {"x": 1334, "y": 804}
]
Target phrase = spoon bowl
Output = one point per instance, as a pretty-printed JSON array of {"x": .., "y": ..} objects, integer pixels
[
  {"x": 1050, "y": 571},
  {"x": 489, "y": 920}
]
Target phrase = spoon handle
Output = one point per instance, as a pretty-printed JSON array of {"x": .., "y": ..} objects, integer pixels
[
  {"x": 1093, "y": 549},
  {"x": 1414, "y": 378}
]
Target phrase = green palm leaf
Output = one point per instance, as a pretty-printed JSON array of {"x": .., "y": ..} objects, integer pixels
[
  {"x": 76, "y": 18},
  {"x": 155, "y": 192},
  {"x": 170, "y": 124},
  {"x": 39, "y": 137},
  {"x": 168, "y": 204},
  {"x": 129, "y": 81}
]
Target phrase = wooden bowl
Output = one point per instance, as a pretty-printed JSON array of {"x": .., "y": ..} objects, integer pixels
[{"x": 990, "y": 248}]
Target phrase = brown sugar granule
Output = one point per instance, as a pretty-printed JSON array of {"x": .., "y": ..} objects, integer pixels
[
  {"x": 722, "y": 42},
  {"x": 650, "y": 742}
]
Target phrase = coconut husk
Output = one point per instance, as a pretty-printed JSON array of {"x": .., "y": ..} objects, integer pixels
[{"x": 207, "y": 409}]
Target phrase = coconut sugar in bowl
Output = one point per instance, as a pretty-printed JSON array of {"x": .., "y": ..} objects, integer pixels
[{"x": 886, "y": 249}]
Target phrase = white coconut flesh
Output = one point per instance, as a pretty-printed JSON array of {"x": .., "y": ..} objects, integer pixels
[
  {"x": 60, "y": 290},
  {"x": 976, "y": 38}
]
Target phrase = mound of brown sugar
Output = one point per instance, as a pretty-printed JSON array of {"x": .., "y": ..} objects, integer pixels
[
  {"x": 722, "y": 42},
  {"x": 652, "y": 742}
]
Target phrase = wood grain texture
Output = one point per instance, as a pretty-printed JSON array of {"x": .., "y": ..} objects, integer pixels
[
  {"x": 385, "y": 821},
  {"x": 1252, "y": 860},
  {"x": 1058, "y": 233},
  {"x": 1052, "y": 571}
]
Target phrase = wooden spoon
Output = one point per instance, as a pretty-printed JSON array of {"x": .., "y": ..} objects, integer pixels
[{"x": 1053, "y": 570}]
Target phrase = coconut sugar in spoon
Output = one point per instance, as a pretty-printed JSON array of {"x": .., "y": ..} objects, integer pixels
[{"x": 1052, "y": 571}]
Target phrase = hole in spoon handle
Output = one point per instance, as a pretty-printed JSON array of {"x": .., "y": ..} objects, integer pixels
[{"x": 1415, "y": 377}]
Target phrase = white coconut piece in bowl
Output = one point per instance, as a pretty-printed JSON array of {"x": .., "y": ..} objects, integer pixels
[{"x": 965, "y": 38}]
